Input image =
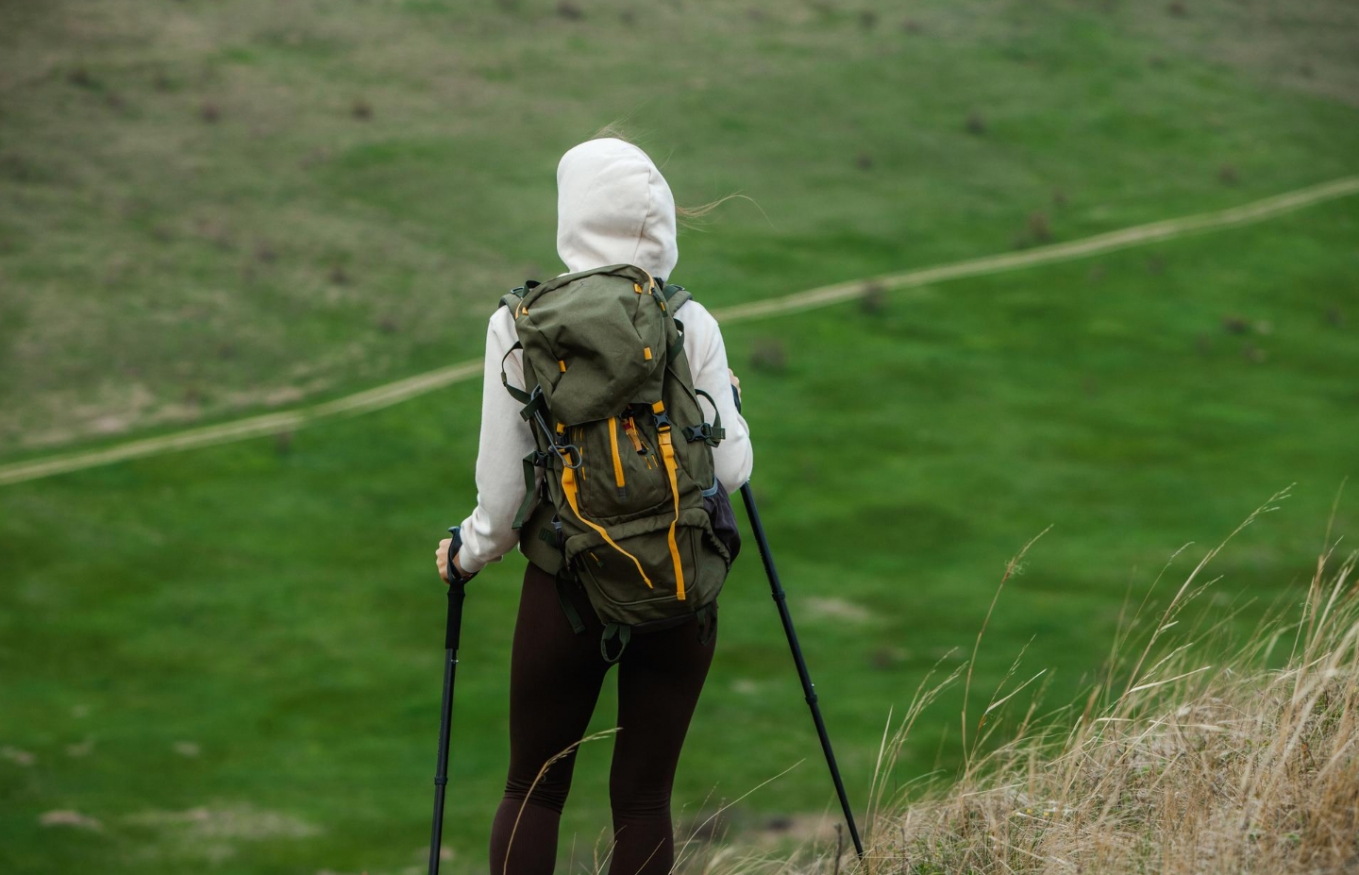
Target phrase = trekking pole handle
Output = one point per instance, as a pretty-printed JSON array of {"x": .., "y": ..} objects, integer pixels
[{"x": 457, "y": 593}]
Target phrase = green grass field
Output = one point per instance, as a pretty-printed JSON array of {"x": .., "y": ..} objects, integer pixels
[{"x": 253, "y": 630}]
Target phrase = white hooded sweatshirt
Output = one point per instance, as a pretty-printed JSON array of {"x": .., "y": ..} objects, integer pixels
[{"x": 613, "y": 207}]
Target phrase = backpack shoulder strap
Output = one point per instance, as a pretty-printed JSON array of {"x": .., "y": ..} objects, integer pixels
[{"x": 676, "y": 296}]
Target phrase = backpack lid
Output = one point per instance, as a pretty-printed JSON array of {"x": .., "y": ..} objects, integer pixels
[{"x": 595, "y": 340}]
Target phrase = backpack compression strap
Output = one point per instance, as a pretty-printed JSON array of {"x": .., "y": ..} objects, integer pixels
[{"x": 671, "y": 466}]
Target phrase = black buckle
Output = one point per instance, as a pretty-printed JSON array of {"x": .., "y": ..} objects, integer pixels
[
  {"x": 553, "y": 537},
  {"x": 702, "y": 432}
]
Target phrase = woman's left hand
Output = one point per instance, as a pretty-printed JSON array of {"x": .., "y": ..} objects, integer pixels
[{"x": 441, "y": 559}]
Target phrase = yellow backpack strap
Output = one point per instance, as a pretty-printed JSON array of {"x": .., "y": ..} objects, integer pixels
[{"x": 671, "y": 468}]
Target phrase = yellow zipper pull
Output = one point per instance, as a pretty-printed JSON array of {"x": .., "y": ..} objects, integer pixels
[{"x": 630, "y": 429}]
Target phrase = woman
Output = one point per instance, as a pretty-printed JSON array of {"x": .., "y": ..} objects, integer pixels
[{"x": 613, "y": 207}]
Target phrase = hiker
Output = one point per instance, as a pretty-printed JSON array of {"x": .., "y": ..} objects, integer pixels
[{"x": 613, "y": 208}]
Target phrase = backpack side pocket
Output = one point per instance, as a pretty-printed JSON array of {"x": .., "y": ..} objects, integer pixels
[{"x": 718, "y": 505}]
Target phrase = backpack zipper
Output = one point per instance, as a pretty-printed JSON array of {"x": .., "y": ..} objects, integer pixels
[{"x": 617, "y": 460}]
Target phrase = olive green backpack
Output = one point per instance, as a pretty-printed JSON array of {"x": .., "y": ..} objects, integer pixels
[{"x": 630, "y": 508}]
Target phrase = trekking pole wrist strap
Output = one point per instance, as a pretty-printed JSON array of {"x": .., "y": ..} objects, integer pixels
[{"x": 455, "y": 545}]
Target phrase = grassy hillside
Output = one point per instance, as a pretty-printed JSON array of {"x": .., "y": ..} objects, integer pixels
[
  {"x": 270, "y": 603},
  {"x": 230, "y": 656},
  {"x": 212, "y": 207}
]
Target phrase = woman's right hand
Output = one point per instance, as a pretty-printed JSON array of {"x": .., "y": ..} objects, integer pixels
[{"x": 441, "y": 560}]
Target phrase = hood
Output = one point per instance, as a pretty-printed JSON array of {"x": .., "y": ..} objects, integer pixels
[{"x": 614, "y": 207}]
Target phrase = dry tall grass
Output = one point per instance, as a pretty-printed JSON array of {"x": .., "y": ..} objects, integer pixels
[{"x": 1176, "y": 762}]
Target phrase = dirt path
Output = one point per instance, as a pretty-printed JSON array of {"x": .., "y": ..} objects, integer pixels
[{"x": 411, "y": 387}]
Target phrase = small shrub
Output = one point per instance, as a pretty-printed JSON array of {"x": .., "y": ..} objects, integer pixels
[
  {"x": 215, "y": 233},
  {"x": 1178, "y": 8},
  {"x": 868, "y": 19},
  {"x": 1059, "y": 198},
  {"x": 1234, "y": 325},
  {"x": 885, "y": 658},
  {"x": 1254, "y": 354},
  {"x": 283, "y": 443},
  {"x": 628, "y": 17},
  {"x": 387, "y": 325},
  {"x": 873, "y": 301},
  {"x": 1040, "y": 231},
  {"x": 912, "y": 26},
  {"x": 1227, "y": 175},
  {"x": 361, "y": 110},
  {"x": 769, "y": 355},
  {"x": 81, "y": 78},
  {"x": 864, "y": 161},
  {"x": 316, "y": 156},
  {"x": 1156, "y": 265},
  {"x": 976, "y": 124},
  {"x": 1334, "y": 317},
  {"x": 15, "y": 167},
  {"x": 570, "y": 11},
  {"x": 210, "y": 112},
  {"x": 265, "y": 252},
  {"x": 339, "y": 276}
]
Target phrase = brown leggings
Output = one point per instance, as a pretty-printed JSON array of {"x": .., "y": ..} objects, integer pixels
[{"x": 555, "y": 678}]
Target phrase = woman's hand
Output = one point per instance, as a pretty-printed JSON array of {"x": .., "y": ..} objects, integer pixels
[
  {"x": 441, "y": 559},
  {"x": 735, "y": 380}
]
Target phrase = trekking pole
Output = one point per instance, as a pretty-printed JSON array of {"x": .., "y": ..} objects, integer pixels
[
  {"x": 457, "y": 591},
  {"x": 808, "y": 688}
]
